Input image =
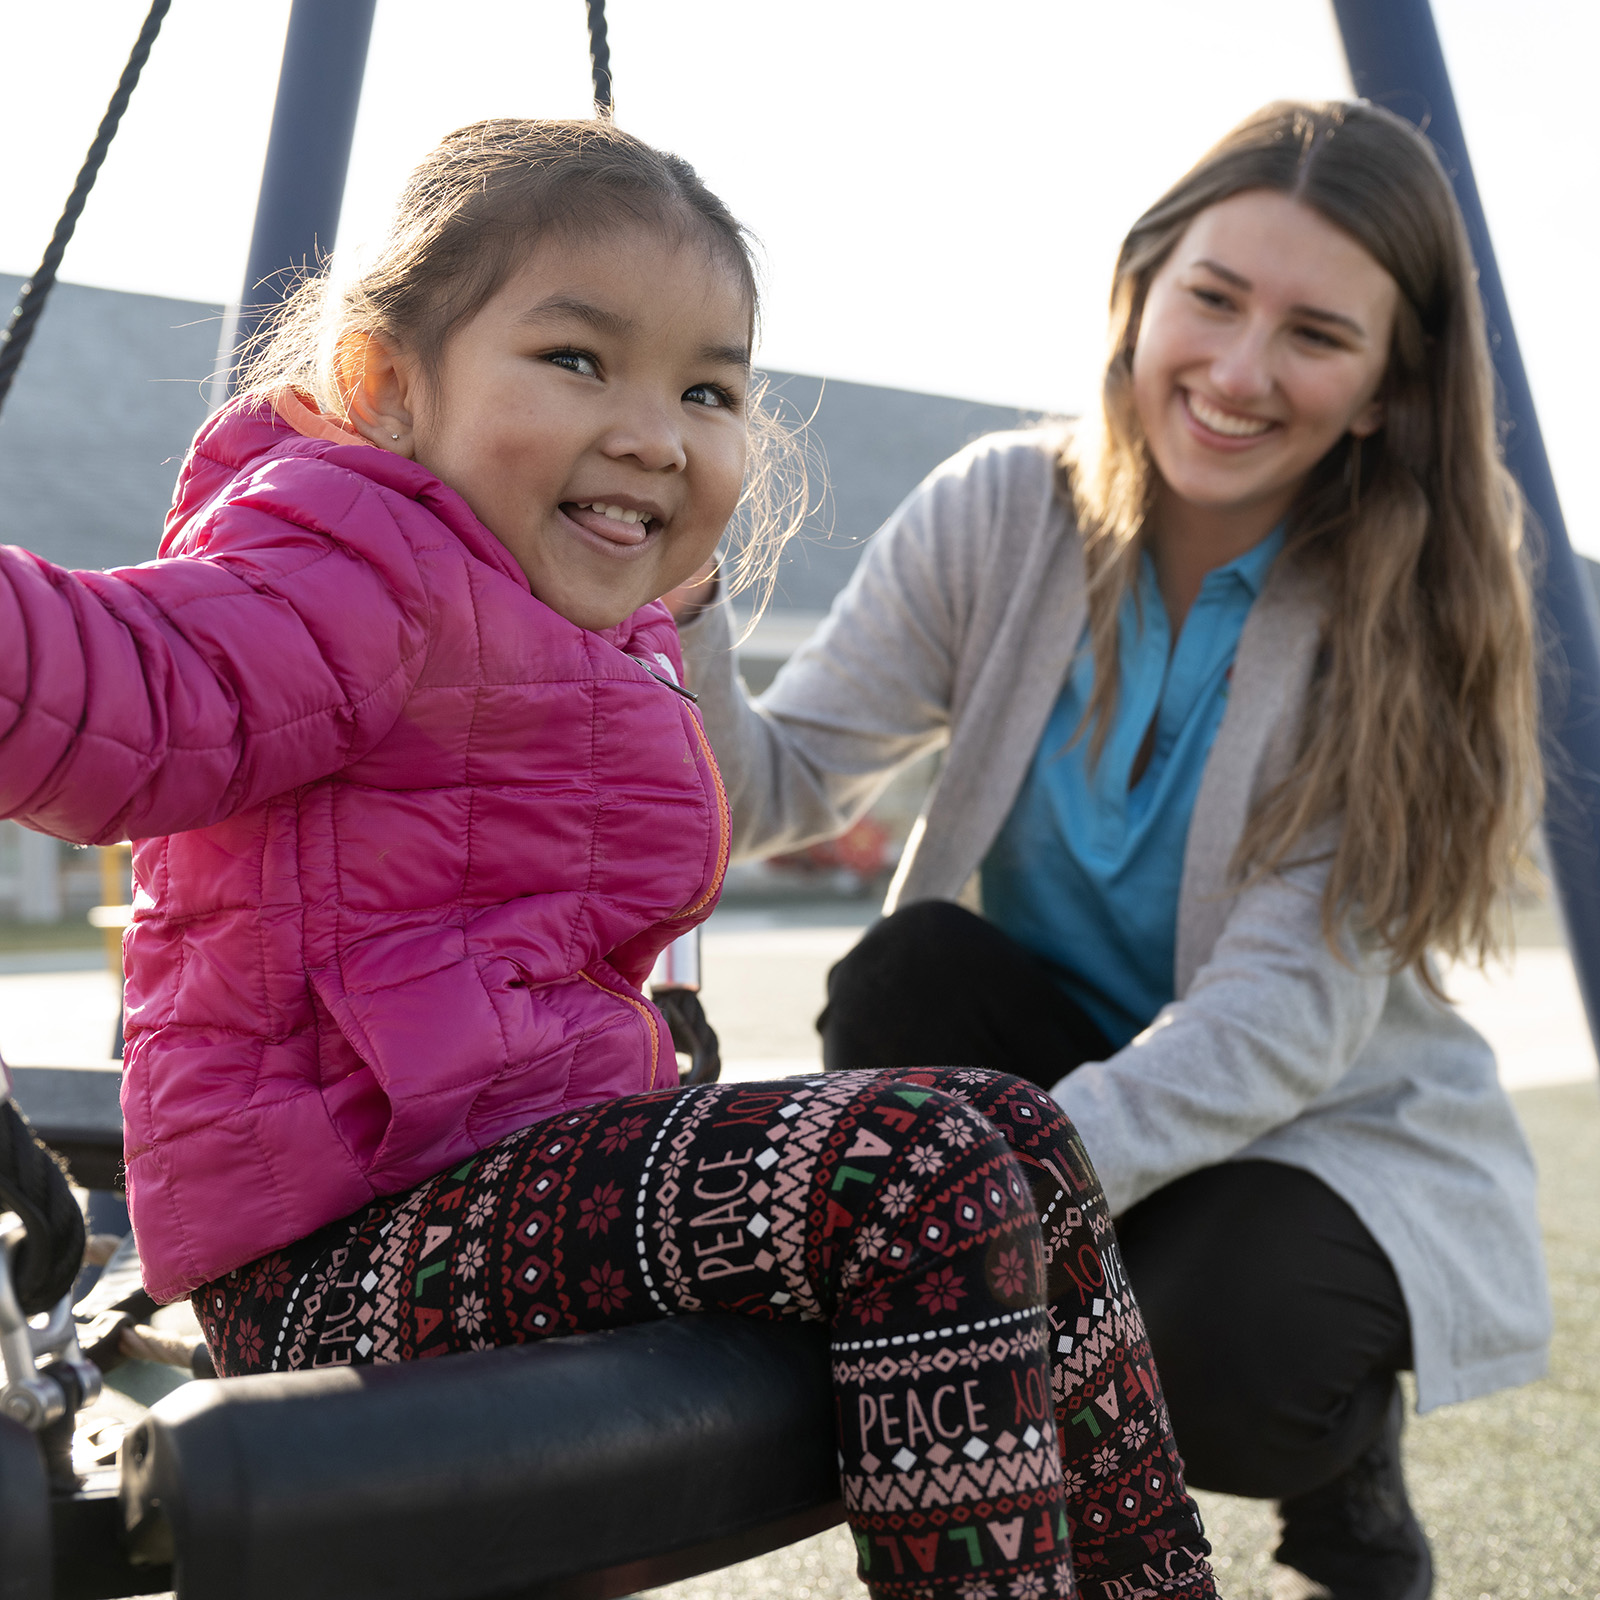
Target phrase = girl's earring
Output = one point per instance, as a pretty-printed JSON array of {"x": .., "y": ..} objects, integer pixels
[
  {"x": 1355, "y": 475},
  {"x": 394, "y": 435}
]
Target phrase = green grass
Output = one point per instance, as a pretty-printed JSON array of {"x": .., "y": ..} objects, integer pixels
[
  {"x": 1508, "y": 1487},
  {"x": 18, "y": 938}
]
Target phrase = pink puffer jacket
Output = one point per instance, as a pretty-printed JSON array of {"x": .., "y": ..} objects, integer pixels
[{"x": 410, "y": 840}]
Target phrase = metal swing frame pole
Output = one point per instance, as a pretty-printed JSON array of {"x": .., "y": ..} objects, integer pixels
[
  {"x": 308, "y": 153},
  {"x": 1396, "y": 61},
  {"x": 308, "y": 156}
]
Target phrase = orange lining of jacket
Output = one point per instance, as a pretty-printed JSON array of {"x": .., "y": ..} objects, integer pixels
[
  {"x": 724, "y": 824},
  {"x": 302, "y": 413},
  {"x": 643, "y": 1010}
]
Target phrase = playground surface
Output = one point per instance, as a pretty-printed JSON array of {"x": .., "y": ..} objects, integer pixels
[{"x": 1506, "y": 1486}]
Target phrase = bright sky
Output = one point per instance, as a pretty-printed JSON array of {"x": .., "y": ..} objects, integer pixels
[{"x": 940, "y": 187}]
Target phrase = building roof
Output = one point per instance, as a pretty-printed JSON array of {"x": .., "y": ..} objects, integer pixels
[
  {"x": 875, "y": 445},
  {"x": 104, "y": 406}
]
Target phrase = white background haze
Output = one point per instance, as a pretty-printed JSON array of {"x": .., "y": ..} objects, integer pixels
[{"x": 939, "y": 187}]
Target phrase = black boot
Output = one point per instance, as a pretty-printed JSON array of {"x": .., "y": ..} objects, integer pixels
[{"x": 1357, "y": 1537}]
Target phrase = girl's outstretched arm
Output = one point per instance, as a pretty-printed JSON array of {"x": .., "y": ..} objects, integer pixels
[{"x": 155, "y": 699}]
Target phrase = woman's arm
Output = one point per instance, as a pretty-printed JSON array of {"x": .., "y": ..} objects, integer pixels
[
  {"x": 1272, "y": 1020},
  {"x": 165, "y": 697},
  {"x": 872, "y": 689}
]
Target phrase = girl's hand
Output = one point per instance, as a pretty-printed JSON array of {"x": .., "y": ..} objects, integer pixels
[{"x": 691, "y": 597}]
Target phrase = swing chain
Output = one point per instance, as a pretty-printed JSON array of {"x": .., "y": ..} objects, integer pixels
[
  {"x": 30, "y": 302},
  {"x": 675, "y": 990},
  {"x": 600, "y": 60},
  {"x": 40, "y": 1253},
  {"x": 35, "y": 1396}
]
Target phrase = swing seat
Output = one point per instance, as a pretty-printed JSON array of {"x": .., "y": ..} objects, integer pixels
[
  {"x": 584, "y": 1468},
  {"x": 579, "y": 1469}
]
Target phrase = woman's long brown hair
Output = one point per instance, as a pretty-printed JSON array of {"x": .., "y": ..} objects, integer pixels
[{"x": 1420, "y": 734}]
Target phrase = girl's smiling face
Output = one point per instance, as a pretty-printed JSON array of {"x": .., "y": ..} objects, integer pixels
[
  {"x": 1263, "y": 340},
  {"x": 592, "y": 414}
]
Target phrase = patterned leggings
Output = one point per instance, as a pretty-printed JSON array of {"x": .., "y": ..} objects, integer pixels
[{"x": 1002, "y": 1428}]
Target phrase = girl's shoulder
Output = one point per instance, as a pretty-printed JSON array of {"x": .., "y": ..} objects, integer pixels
[
  {"x": 246, "y": 456},
  {"x": 251, "y": 477}
]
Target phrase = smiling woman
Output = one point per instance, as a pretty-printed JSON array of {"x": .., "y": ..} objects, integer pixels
[
  {"x": 1235, "y": 679},
  {"x": 1344, "y": 330},
  {"x": 1263, "y": 342}
]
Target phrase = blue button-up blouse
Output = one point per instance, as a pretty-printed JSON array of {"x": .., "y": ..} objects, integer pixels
[{"x": 1086, "y": 870}]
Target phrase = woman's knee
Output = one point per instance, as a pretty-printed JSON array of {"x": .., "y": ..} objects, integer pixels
[
  {"x": 935, "y": 983},
  {"x": 909, "y": 948},
  {"x": 1269, "y": 1311},
  {"x": 1252, "y": 1421}
]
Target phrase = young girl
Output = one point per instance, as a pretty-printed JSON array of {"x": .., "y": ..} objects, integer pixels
[
  {"x": 397, "y": 724},
  {"x": 1236, "y": 681}
]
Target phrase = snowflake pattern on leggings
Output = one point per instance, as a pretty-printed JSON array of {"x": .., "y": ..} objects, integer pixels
[{"x": 1002, "y": 1434}]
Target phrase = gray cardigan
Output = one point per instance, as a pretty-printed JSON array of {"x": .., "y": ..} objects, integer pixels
[{"x": 957, "y": 630}]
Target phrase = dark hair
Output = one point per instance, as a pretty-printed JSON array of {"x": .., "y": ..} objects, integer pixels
[{"x": 1420, "y": 736}]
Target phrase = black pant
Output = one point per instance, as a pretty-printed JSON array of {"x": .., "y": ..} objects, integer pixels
[{"x": 1276, "y": 1320}]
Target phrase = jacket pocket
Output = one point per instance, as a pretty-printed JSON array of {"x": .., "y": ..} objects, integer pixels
[{"x": 435, "y": 1043}]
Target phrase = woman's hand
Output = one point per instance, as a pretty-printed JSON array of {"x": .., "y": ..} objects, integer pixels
[{"x": 691, "y": 597}]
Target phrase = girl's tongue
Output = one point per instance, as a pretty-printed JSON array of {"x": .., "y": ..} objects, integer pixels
[{"x": 609, "y": 522}]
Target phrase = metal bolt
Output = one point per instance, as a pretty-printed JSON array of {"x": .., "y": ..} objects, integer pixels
[{"x": 21, "y": 1406}]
